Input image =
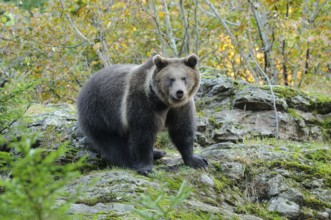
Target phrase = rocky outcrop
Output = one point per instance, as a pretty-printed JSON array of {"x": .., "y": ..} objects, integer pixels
[
  {"x": 234, "y": 111},
  {"x": 246, "y": 179}
]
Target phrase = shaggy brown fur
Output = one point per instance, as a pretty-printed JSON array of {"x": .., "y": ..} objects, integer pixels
[{"x": 122, "y": 107}]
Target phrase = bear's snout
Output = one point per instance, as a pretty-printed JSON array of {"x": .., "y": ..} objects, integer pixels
[{"x": 179, "y": 94}]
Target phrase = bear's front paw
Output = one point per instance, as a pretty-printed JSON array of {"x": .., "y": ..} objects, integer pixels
[
  {"x": 197, "y": 162},
  {"x": 145, "y": 170}
]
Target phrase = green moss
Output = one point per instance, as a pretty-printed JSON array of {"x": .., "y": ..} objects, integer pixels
[
  {"x": 258, "y": 210},
  {"x": 319, "y": 167},
  {"x": 217, "y": 166},
  {"x": 283, "y": 91},
  {"x": 105, "y": 216},
  {"x": 293, "y": 113},
  {"x": 321, "y": 98},
  {"x": 218, "y": 109},
  {"x": 213, "y": 122},
  {"x": 99, "y": 199},
  {"x": 321, "y": 155},
  {"x": 174, "y": 182},
  {"x": 293, "y": 165},
  {"x": 200, "y": 113},
  {"x": 318, "y": 102},
  {"x": 312, "y": 202},
  {"x": 221, "y": 183},
  {"x": 321, "y": 103},
  {"x": 326, "y": 123},
  {"x": 194, "y": 215}
]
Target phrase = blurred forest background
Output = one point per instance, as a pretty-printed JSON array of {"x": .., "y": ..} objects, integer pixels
[{"x": 54, "y": 46}]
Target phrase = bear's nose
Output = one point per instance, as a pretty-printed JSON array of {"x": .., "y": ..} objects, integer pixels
[{"x": 179, "y": 94}]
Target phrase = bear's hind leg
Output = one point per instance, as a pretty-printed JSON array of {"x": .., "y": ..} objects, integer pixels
[
  {"x": 114, "y": 150},
  {"x": 141, "y": 146}
]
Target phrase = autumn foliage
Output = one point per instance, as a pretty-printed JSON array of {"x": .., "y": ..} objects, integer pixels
[{"x": 61, "y": 43}]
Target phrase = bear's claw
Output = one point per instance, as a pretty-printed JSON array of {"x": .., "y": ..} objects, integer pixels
[
  {"x": 144, "y": 169},
  {"x": 197, "y": 162}
]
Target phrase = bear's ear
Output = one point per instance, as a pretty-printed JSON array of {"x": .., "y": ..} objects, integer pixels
[
  {"x": 191, "y": 60},
  {"x": 159, "y": 61}
]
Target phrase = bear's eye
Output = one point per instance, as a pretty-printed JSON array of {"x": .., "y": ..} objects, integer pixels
[
  {"x": 172, "y": 79},
  {"x": 184, "y": 78}
]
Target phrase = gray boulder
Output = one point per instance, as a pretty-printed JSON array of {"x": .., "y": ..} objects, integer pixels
[
  {"x": 285, "y": 207},
  {"x": 253, "y": 98}
]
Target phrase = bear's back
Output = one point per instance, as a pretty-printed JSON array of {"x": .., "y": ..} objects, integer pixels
[{"x": 99, "y": 100}]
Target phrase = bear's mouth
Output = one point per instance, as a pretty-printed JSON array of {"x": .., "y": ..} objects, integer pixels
[{"x": 177, "y": 100}]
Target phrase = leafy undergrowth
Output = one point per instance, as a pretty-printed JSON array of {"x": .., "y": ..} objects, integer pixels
[{"x": 31, "y": 182}]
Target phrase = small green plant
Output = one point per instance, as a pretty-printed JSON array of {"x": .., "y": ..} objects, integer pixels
[
  {"x": 162, "y": 205},
  {"x": 34, "y": 182},
  {"x": 14, "y": 101},
  {"x": 163, "y": 141}
]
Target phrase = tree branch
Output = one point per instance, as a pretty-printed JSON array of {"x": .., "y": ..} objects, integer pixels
[
  {"x": 73, "y": 26},
  {"x": 237, "y": 24},
  {"x": 102, "y": 36},
  {"x": 316, "y": 11},
  {"x": 15, "y": 120},
  {"x": 160, "y": 34},
  {"x": 101, "y": 56},
  {"x": 261, "y": 21},
  {"x": 233, "y": 40},
  {"x": 169, "y": 29}
]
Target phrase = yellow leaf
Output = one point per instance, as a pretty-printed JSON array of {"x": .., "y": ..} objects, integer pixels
[
  {"x": 161, "y": 14},
  {"x": 118, "y": 5},
  {"x": 97, "y": 46}
]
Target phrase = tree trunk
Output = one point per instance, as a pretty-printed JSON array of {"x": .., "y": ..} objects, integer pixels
[
  {"x": 185, "y": 48},
  {"x": 169, "y": 29},
  {"x": 285, "y": 73},
  {"x": 261, "y": 19}
]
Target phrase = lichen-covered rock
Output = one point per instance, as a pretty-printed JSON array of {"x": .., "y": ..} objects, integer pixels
[
  {"x": 276, "y": 185},
  {"x": 221, "y": 86},
  {"x": 107, "y": 192},
  {"x": 99, "y": 209},
  {"x": 235, "y": 125},
  {"x": 301, "y": 116},
  {"x": 234, "y": 170},
  {"x": 205, "y": 179},
  {"x": 285, "y": 207},
  {"x": 253, "y": 98},
  {"x": 293, "y": 195}
]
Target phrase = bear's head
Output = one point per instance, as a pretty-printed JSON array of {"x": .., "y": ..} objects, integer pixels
[{"x": 176, "y": 80}]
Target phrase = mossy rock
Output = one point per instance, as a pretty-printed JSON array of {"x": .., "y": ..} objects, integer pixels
[
  {"x": 301, "y": 100},
  {"x": 321, "y": 104},
  {"x": 254, "y": 98}
]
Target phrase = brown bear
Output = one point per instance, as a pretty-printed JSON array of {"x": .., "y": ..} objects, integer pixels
[{"x": 121, "y": 109}]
